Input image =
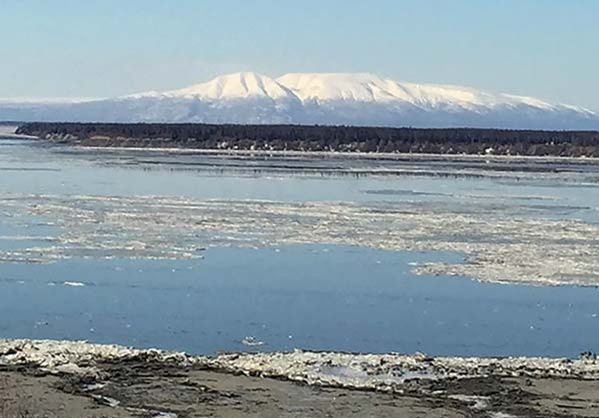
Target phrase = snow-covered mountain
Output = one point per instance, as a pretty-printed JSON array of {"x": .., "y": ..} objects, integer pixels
[{"x": 327, "y": 99}]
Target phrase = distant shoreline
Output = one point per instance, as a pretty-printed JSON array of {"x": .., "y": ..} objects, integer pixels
[
  {"x": 341, "y": 155},
  {"x": 8, "y": 131},
  {"x": 374, "y": 156},
  {"x": 357, "y": 155},
  {"x": 376, "y": 143}
]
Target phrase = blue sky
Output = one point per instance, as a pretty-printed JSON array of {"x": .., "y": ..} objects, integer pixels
[{"x": 61, "y": 48}]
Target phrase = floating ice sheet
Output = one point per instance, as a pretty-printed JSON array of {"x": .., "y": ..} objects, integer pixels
[{"x": 501, "y": 243}]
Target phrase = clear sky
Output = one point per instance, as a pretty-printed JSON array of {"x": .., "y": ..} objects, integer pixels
[{"x": 98, "y": 48}]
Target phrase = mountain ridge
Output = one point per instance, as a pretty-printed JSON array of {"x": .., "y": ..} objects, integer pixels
[
  {"x": 361, "y": 99},
  {"x": 305, "y": 85}
]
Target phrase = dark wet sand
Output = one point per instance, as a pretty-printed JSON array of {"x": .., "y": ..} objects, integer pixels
[{"x": 147, "y": 390}]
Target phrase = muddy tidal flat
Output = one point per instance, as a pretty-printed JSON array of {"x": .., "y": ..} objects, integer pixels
[{"x": 60, "y": 379}]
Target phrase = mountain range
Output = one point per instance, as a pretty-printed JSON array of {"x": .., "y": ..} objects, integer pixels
[{"x": 310, "y": 99}]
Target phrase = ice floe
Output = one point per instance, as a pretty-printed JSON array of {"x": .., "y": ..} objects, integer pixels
[
  {"x": 74, "y": 284},
  {"x": 500, "y": 243}
]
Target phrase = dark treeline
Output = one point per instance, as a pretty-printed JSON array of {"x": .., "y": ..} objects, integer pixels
[{"x": 322, "y": 138}]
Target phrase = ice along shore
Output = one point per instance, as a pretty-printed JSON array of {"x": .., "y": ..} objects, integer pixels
[{"x": 86, "y": 379}]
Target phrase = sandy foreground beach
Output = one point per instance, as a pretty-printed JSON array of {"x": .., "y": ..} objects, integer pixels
[{"x": 60, "y": 379}]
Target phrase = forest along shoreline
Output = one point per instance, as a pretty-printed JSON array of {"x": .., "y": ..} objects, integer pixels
[
  {"x": 86, "y": 380},
  {"x": 345, "y": 139}
]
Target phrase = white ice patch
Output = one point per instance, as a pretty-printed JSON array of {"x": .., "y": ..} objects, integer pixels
[
  {"x": 477, "y": 403},
  {"x": 165, "y": 415},
  {"x": 252, "y": 342},
  {"x": 74, "y": 284},
  {"x": 112, "y": 403},
  {"x": 366, "y": 371},
  {"x": 357, "y": 377},
  {"x": 500, "y": 244},
  {"x": 500, "y": 415}
]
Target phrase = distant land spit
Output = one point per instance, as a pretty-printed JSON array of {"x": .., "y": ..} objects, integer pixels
[{"x": 455, "y": 141}]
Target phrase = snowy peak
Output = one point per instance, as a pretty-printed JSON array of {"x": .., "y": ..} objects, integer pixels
[
  {"x": 362, "y": 87},
  {"x": 235, "y": 86},
  {"x": 328, "y": 88}
]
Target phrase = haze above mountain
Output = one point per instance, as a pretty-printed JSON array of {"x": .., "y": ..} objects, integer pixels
[{"x": 326, "y": 99}]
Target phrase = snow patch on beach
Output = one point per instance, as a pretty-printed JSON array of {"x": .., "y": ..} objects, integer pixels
[{"x": 384, "y": 372}]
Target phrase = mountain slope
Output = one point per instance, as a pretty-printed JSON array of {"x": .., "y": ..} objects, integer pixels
[
  {"x": 328, "y": 99},
  {"x": 228, "y": 87},
  {"x": 371, "y": 88}
]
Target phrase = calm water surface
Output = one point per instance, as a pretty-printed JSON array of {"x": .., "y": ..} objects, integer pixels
[{"x": 312, "y": 296}]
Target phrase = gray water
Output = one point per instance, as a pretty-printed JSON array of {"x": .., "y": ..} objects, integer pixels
[{"x": 319, "y": 297}]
